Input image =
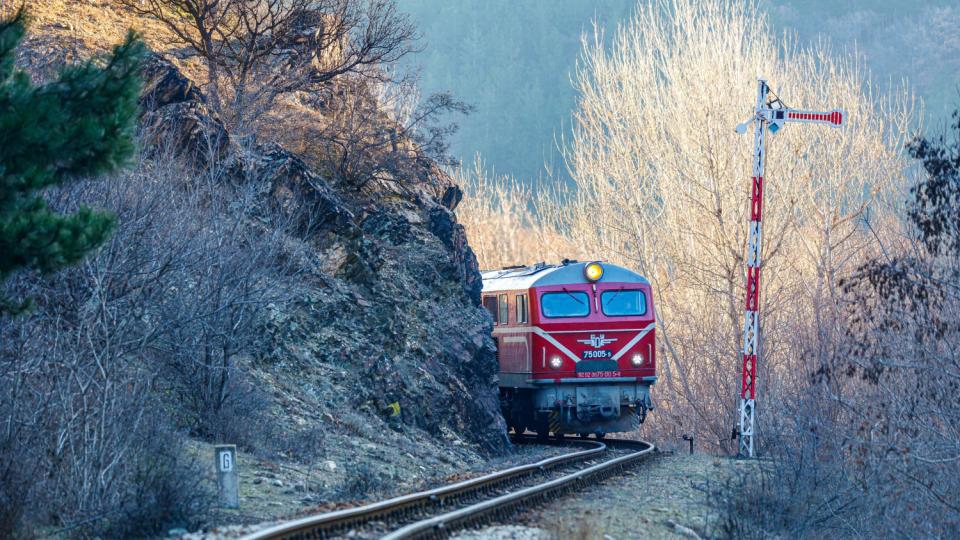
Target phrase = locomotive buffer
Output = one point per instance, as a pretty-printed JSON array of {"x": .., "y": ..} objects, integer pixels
[{"x": 772, "y": 115}]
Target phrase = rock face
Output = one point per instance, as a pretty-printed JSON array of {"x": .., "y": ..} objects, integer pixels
[
  {"x": 175, "y": 117},
  {"x": 385, "y": 332}
]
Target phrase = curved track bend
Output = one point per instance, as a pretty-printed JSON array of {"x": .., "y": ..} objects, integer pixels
[{"x": 428, "y": 514}]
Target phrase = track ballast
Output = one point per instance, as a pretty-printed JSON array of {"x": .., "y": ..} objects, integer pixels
[{"x": 439, "y": 512}]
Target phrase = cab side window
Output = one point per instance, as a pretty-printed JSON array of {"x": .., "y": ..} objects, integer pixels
[
  {"x": 522, "y": 308},
  {"x": 504, "y": 310},
  {"x": 490, "y": 303}
]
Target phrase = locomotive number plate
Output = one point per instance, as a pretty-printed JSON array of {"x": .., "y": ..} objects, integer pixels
[
  {"x": 593, "y": 355},
  {"x": 598, "y": 374}
]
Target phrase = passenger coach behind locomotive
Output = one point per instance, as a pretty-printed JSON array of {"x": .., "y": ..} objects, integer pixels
[{"x": 575, "y": 345}]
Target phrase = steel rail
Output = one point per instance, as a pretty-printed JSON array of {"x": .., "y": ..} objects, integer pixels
[
  {"x": 310, "y": 525},
  {"x": 442, "y": 525}
]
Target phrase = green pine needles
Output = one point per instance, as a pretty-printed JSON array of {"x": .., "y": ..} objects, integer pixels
[{"x": 80, "y": 125}]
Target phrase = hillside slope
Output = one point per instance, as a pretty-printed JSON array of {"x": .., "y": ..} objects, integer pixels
[
  {"x": 387, "y": 309},
  {"x": 358, "y": 347}
]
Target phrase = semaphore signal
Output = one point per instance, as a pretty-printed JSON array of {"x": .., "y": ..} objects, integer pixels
[{"x": 773, "y": 115}]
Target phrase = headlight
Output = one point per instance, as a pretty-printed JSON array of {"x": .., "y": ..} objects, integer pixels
[
  {"x": 637, "y": 359},
  {"x": 556, "y": 362},
  {"x": 593, "y": 272}
]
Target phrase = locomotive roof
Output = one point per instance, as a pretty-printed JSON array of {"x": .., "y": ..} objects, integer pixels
[{"x": 540, "y": 274}]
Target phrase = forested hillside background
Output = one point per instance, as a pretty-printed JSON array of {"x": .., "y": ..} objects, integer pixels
[{"x": 513, "y": 61}]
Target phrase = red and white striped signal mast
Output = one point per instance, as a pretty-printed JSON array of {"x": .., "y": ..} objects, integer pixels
[{"x": 770, "y": 114}]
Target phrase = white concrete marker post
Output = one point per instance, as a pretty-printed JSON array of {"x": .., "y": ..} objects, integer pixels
[{"x": 227, "y": 478}]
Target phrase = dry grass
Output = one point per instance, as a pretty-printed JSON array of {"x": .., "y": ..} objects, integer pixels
[
  {"x": 97, "y": 24},
  {"x": 65, "y": 31}
]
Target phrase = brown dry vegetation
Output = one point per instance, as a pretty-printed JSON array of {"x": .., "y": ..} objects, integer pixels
[
  {"x": 352, "y": 118},
  {"x": 98, "y": 24},
  {"x": 62, "y": 31}
]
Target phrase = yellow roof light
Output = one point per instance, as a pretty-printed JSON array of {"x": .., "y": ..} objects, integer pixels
[{"x": 593, "y": 272}]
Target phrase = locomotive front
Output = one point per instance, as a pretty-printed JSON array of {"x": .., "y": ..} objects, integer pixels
[{"x": 576, "y": 346}]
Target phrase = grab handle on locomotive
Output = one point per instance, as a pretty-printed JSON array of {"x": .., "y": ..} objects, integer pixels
[{"x": 641, "y": 411}]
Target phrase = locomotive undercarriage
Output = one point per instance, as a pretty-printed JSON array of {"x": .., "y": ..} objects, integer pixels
[{"x": 576, "y": 408}]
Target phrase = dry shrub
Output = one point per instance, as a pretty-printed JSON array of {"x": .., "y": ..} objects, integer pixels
[
  {"x": 363, "y": 482},
  {"x": 359, "y": 132},
  {"x": 257, "y": 51},
  {"x": 800, "y": 488},
  {"x": 162, "y": 486},
  {"x": 499, "y": 214},
  {"x": 93, "y": 454},
  {"x": 147, "y": 339}
]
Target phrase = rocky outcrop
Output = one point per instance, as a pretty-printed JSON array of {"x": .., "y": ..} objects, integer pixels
[
  {"x": 175, "y": 119},
  {"x": 388, "y": 301},
  {"x": 443, "y": 225},
  {"x": 163, "y": 85},
  {"x": 298, "y": 193}
]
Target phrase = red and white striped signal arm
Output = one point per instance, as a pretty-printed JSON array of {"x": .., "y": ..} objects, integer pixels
[{"x": 833, "y": 118}]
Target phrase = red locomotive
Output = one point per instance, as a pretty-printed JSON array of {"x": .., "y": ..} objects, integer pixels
[{"x": 575, "y": 345}]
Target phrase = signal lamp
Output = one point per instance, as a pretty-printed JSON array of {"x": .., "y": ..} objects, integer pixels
[
  {"x": 556, "y": 362},
  {"x": 637, "y": 359},
  {"x": 593, "y": 272}
]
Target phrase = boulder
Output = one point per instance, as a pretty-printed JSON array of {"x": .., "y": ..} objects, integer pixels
[
  {"x": 185, "y": 129},
  {"x": 298, "y": 193},
  {"x": 442, "y": 223},
  {"x": 175, "y": 118},
  {"x": 164, "y": 84}
]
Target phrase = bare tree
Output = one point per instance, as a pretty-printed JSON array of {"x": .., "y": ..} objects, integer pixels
[
  {"x": 381, "y": 132},
  {"x": 662, "y": 186},
  {"x": 899, "y": 366},
  {"x": 870, "y": 445},
  {"x": 255, "y": 51}
]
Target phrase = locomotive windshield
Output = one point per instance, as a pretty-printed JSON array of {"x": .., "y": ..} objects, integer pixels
[
  {"x": 621, "y": 303},
  {"x": 565, "y": 304}
]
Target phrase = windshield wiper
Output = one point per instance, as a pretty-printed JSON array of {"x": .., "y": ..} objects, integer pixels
[
  {"x": 620, "y": 290},
  {"x": 579, "y": 301}
]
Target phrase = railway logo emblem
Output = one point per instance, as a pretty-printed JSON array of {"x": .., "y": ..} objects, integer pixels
[{"x": 597, "y": 341}]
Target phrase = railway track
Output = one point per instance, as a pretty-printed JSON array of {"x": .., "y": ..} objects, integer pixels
[{"x": 436, "y": 513}]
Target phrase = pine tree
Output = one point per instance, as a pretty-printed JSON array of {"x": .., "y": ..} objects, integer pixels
[{"x": 79, "y": 125}]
